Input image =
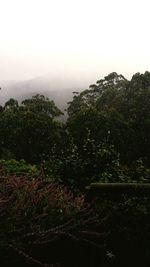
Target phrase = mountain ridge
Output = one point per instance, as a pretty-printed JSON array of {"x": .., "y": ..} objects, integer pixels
[{"x": 60, "y": 89}]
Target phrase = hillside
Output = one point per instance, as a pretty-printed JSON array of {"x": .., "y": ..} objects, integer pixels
[{"x": 58, "y": 89}]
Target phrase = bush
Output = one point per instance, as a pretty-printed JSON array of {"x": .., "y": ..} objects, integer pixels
[
  {"x": 14, "y": 167},
  {"x": 77, "y": 167},
  {"x": 128, "y": 223},
  {"x": 43, "y": 222}
]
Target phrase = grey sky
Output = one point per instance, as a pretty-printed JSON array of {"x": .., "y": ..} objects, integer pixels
[{"x": 77, "y": 37}]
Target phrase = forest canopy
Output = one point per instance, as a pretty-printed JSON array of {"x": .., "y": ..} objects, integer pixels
[
  {"x": 107, "y": 131},
  {"x": 47, "y": 167}
]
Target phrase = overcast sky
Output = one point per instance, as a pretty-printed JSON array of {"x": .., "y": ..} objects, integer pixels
[{"x": 84, "y": 37}]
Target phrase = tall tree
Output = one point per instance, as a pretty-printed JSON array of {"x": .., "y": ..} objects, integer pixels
[
  {"x": 119, "y": 106},
  {"x": 29, "y": 130}
]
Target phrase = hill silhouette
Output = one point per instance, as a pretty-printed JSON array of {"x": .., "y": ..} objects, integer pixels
[{"x": 56, "y": 88}]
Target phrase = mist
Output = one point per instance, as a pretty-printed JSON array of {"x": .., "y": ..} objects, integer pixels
[
  {"x": 57, "y": 87},
  {"x": 76, "y": 39},
  {"x": 56, "y": 47}
]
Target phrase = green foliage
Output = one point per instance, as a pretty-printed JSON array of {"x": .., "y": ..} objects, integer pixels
[
  {"x": 41, "y": 105},
  {"x": 117, "y": 105},
  {"x": 18, "y": 168},
  {"x": 78, "y": 166},
  {"x": 106, "y": 137},
  {"x": 128, "y": 223},
  {"x": 29, "y": 130}
]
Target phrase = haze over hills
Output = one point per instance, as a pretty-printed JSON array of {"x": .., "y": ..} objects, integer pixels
[{"x": 56, "y": 88}]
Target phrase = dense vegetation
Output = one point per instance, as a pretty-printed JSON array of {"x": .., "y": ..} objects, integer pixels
[
  {"x": 105, "y": 138},
  {"x": 41, "y": 222}
]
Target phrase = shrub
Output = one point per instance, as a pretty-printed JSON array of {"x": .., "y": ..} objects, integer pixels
[
  {"x": 42, "y": 221},
  {"x": 18, "y": 168},
  {"x": 77, "y": 167},
  {"x": 128, "y": 223}
]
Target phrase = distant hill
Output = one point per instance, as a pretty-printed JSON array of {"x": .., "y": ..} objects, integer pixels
[{"x": 58, "y": 89}]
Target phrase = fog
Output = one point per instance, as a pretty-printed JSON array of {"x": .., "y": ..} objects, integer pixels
[
  {"x": 70, "y": 44},
  {"x": 83, "y": 36},
  {"x": 58, "y": 88}
]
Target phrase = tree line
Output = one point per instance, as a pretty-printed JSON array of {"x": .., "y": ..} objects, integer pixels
[{"x": 106, "y": 136}]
